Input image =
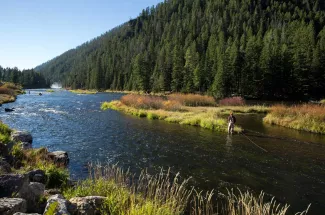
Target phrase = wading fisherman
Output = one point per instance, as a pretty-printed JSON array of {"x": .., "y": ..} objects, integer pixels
[{"x": 231, "y": 123}]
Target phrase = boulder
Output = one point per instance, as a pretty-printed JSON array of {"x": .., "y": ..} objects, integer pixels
[
  {"x": 32, "y": 194},
  {"x": 26, "y": 145},
  {"x": 12, "y": 183},
  {"x": 89, "y": 205},
  {"x": 4, "y": 167},
  {"x": 59, "y": 157},
  {"x": 62, "y": 205},
  {"x": 9, "y": 206},
  {"x": 21, "y": 136},
  {"x": 37, "y": 176}
]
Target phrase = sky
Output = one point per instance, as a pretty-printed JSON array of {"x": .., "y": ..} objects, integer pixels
[{"x": 35, "y": 31}]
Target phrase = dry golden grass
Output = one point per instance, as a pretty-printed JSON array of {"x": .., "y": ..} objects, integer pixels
[
  {"x": 232, "y": 101},
  {"x": 5, "y": 98},
  {"x": 307, "y": 117},
  {"x": 193, "y": 100}
]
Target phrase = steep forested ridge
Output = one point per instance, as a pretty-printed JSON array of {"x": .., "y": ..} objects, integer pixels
[
  {"x": 26, "y": 78},
  {"x": 254, "y": 48}
]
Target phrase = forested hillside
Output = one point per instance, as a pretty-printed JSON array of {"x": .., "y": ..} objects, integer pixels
[
  {"x": 270, "y": 49},
  {"x": 26, "y": 78}
]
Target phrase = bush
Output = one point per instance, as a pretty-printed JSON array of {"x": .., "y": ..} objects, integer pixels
[
  {"x": 143, "y": 102},
  {"x": 56, "y": 176},
  {"x": 232, "y": 101},
  {"x": 193, "y": 100},
  {"x": 4, "y": 90},
  {"x": 172, "y": 105}
]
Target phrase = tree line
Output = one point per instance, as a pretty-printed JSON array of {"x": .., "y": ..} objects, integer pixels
[
  {"x": 27, "y": 78},
  {"x": 269, "y": 49}
]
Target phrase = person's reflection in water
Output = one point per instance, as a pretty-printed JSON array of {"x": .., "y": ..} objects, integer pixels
[{"x": 229, "y": 147}]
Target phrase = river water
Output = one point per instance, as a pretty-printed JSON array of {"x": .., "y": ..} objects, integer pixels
[{"x": 292, "y": 169}]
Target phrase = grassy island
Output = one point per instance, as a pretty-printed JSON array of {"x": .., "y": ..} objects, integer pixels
[
  {"x": 190, "y": 109},
  {"x": 305, "y": 117},
  {"x": 79, "y": 91}
]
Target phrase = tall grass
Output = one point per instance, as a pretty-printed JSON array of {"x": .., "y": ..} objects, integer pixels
[
  {"x": 232, "y": 101},
  {"x": 163, "y": 194},
  {"x": 307, "y": 117},
  {"x": 5, "y": 132},
  {"x": 193, "y": 100},
  {"x": 127, "y": 194},
  {"x": 31, "y": 159}
]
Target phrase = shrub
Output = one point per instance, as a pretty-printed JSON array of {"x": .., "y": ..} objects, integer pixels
[
  {"x": 172, "y": 105},
  {"x": 232, "y": 101},
  {"x": 4, "y": 90},
  {"x": 192, "y": 99},
  {"x": 143, "y": 102}
]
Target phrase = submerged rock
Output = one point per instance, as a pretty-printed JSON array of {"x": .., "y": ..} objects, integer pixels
[
  {"x": 12, "y": 183},
  {"x": 22, "y": 136},
  {"x": 89, "y": 205},
  {"x": 9, "y": 206},
  {"x": 62, "y": 205},
  {"x": 59, "y": 157}
]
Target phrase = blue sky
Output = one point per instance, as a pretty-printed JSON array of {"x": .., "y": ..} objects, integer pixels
[{"x": 35, "y": 31}]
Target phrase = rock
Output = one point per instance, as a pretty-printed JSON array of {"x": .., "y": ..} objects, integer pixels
[
  {"x": 12, "y": 183},
  {"x": 51, "y": 192},
  {"x": 61, "y": 208},
  {"x": 22, "y": 136},
  {"x": 89, "y": 205},
  {"x": 32, "y": 194},
  {"x": 26, "y": 145},
  {"x": 3, "y": 149},
  {"x": 9, "y": 206},
  {"x": 59, "y": 157},
  {"x": 4, "y": 167},
  {"x": 37, "y": 176}
]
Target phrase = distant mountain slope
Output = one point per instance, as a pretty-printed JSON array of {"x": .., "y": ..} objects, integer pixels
[{"x": 255, "y": 48}]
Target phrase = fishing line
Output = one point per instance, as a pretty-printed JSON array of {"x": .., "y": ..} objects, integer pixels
[{"x": 254, "y": 143}]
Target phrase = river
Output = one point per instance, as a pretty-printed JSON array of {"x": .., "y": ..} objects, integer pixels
[{"x": 292, "y": 169}]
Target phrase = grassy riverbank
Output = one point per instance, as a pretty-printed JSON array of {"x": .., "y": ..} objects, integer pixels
[
  {"x": 9, "y": 92},
  {"x": 306, "y": 117}
]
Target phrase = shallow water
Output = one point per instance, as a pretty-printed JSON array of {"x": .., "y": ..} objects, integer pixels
[{"x": 293, "y": 171}]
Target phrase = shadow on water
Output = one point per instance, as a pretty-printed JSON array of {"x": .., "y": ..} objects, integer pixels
[{"x": 293, "y": 171}]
